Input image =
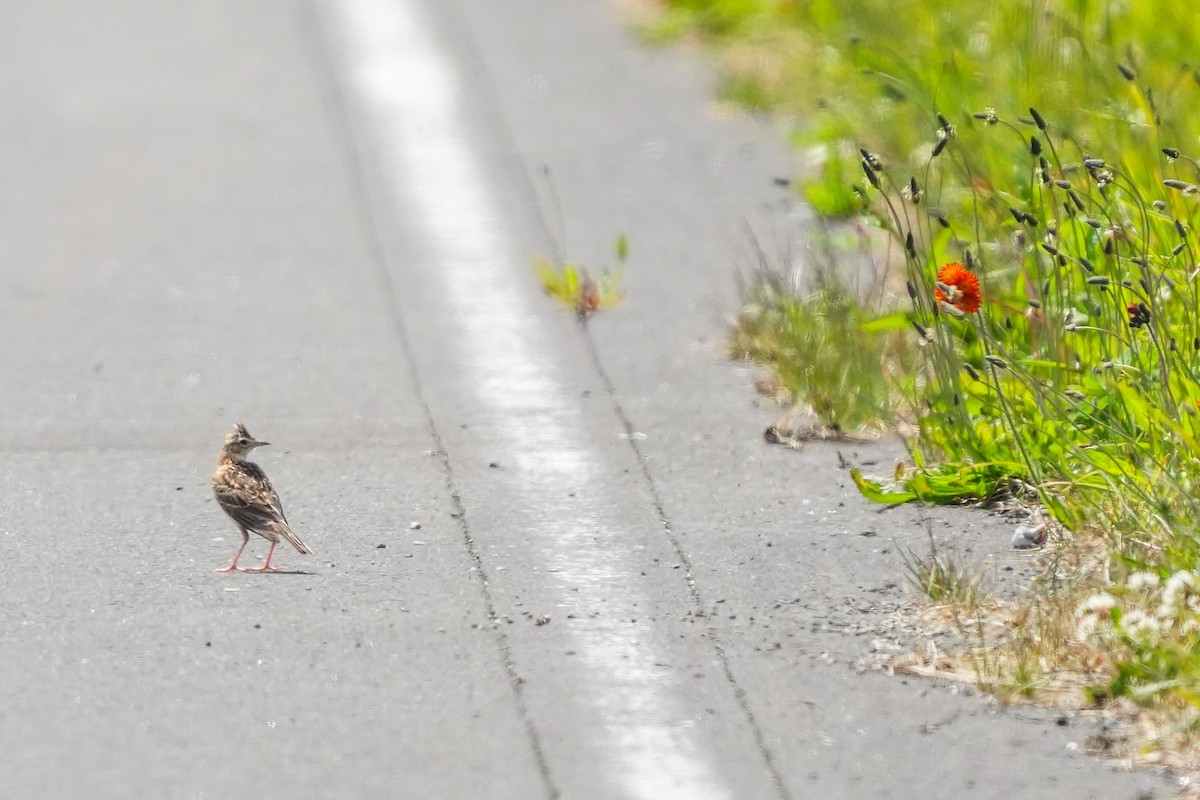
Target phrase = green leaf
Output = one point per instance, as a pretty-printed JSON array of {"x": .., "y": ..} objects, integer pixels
[
  {"x": 874, "y": 491},
  {"x": 888, "y": 322},
  {"x": 1042, "y": 362}
]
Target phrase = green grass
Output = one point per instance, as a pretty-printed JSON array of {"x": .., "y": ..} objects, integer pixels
[
  {"x": 944, "y": 579},
  {"x": 1045, "y": 146},
  {"x": 824, "y": 351}
]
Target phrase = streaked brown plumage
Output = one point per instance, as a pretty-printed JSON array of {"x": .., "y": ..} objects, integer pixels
[{"x": 248, "y": 498}]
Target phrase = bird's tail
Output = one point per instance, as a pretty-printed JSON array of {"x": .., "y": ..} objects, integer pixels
[{"x": 286, "y": 531}]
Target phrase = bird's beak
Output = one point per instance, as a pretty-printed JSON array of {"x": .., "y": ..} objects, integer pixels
[{"x": 261, "y": 444}]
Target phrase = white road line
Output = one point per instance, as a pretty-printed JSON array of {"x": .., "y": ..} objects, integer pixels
[{"x": 412, "y": 96}]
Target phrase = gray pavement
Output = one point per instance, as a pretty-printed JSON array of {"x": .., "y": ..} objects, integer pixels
[{"x": 316, "y": 219}]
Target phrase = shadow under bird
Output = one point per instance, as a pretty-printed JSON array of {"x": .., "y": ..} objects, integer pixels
[{"x": 242, "y": 489}]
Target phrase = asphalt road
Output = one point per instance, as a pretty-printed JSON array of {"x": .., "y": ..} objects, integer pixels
[{"x": 317, "y": 219}]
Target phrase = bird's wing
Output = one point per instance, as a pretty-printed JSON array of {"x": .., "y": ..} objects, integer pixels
[
  {"x": 252, "y": 511},
  {"x": 276, "y": 503},
  {"x": 248, "y": 497},
  {"x": 257, "y": 484}
]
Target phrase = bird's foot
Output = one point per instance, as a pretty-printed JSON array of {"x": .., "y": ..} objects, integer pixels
[{"x": 230, "y": 568}]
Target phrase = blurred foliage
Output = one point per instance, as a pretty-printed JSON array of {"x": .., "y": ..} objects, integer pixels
[{"x": 574, "y": 288}]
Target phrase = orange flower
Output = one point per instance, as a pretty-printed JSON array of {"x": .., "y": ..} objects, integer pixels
[{"x": 964, "y": 286}]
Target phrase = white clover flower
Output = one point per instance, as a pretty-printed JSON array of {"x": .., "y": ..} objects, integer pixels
[
  {"x": 1092, "y": 612},
  {"x": 1175, "y": 594},
  {"x": 1085, "y": 628},
  {"x": 1179, "y": 585},
  {"x": 1139, "y": 623},
  {"x": 1099, "y": 603},
  {"x": 1142, "y": 580}
]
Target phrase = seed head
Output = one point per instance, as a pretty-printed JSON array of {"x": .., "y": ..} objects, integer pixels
[
  {"x": 912, "y": 192},
  {"x": 873, "y": 159},
  {"x": 869, "y": 171},
  {"x": 1139, "y": 315},
  {"x": 945, "y": 129},
  {"x": 988, "y": 115}
]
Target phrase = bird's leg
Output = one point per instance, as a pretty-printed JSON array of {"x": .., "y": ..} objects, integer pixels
[
  {"x": 266, "y": 565},
  {"x": 233, "y": 564}
]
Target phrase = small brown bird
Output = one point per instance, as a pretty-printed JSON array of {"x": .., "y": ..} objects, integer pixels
[{"x": 248, "y": 498}]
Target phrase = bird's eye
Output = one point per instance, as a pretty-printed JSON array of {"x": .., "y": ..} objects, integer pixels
[{"x": 243, "y": 441}]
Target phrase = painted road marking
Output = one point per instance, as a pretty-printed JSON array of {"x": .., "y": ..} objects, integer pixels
[{"x": 411, "y": 94}]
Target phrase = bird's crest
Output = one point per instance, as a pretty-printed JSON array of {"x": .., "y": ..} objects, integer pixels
[{"x": 239, "y": 430}]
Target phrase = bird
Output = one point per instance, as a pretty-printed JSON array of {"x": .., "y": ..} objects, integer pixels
[{"x": 243, "y": 491}]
